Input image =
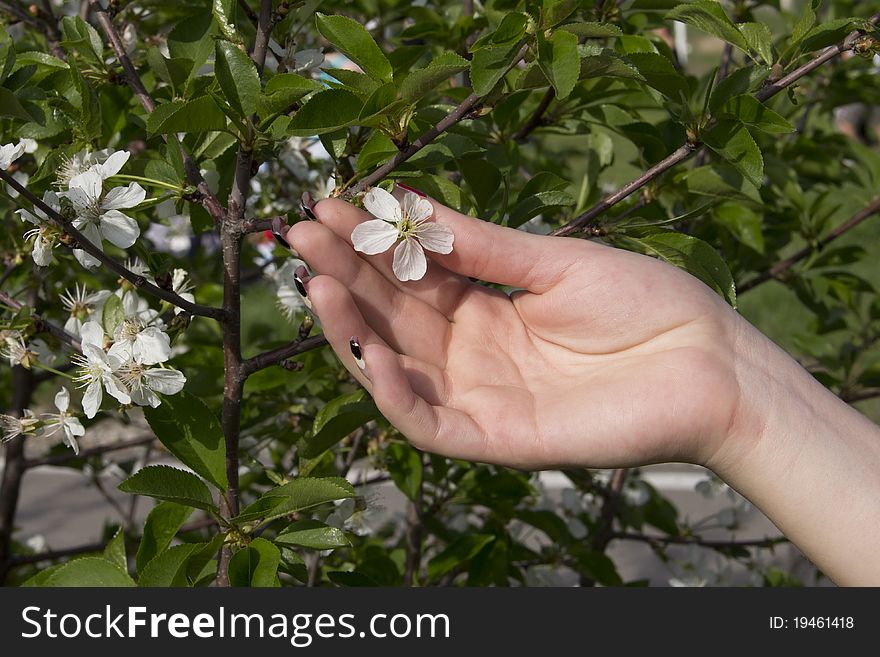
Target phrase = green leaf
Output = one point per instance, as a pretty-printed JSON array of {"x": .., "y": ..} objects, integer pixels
[
  {"x": 169, "y": 567},
  {"x": 170, "y": 484},
  {"x": 256, "y": 565},
  {"x": 301, "y": 493},
  {"x": 191, "y": 431},
  {"x": 38, "y": 58},
  {"x": 751, "y": 111},
  {"x": 90, "y": 106},
  {"x": 744, "y": 224},
  {"x": 405, "y": 468},
  {"x": 694, "y": 256},
  {"x": 378, "y": 149},
  {"x": 597, "y": 62},
  {"x": 237, "y": 76},
  {"x": 90, "y": 572},
  {"x": 282, "y": 91},
  {"x": 326, "y": 111},
  {"x": 741, "y": 81},
  {"x": 719, "y": 180},
  {"x": 732, "y": 141},
  {"x": 7, "y": 57},
  {"x": 660, "y": 74},
  {"x": 336, "y": 420},
  {"x": 112, "y": 315},
  {"x": 490, "y": 64},
  {"x": 760, "y": 40},
  {"x": 11, "y": 108},
  {"x": 592, "y": 30},
  {"x": 81, "y": 36},
  {"x": 460, "y": 551},
  {"x": 192, "y": 39},
  {"x": 805, "y": 22},
  {"x": 161, "y": 526},
  {"x": 708, "y": 16},
  {"x": 559, "y": 60},
  {"x": 313, "y": 535},
  {"x": 536, "y": 204},
  {"x": 419, "y": 82},
  {"x": 353, "y": 41},
  {"x": 824, "y": 35},
  {"x": 198, "y": 115},
  {"x": 114, "y": 552},
  {"x": 224, "y": 14}
]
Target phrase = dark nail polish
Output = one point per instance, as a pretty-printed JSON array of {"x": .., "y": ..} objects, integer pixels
[
  {"x": 307, "y": 204},
  {"x": 411, "y": 189},
  {"x": 300, "y": 278},
  {"x": 277, "y": 226},
  {"x": 355, "y": 347}
]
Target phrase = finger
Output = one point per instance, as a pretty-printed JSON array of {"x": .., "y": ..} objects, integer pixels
[
  {"x": 407, "y": 324},
  {"x": 498, "y": 254},
  {"x": 439, "y": 288},
  {"x": 433, "y": 427}
]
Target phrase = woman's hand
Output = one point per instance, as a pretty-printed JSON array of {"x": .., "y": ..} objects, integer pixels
[{"x": 600, "y": 358}]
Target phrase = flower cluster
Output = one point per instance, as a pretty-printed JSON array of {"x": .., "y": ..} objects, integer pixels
[
  {"x": 97, "y": 211},
  {"x": 47, "y": 425}
]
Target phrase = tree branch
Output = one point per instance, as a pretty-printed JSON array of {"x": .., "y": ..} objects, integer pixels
[
  {"x": 685, "y": 151},
  {"x": 205, "y": 196},
  {"x": 83, "y": 243},
  {"x": 456, "y": 115},
  {"x": 274, "y": 356},
  {"x": 784, "y": 265},
  {"x": 43, "y": 325},
  {"x": 264, "y": 33},
  {"x": 67, "y": 457}
]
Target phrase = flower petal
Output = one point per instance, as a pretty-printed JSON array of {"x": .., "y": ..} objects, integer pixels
[
  {"x": 116, "y": 388},
  {"x": 42, "y": 252},
  {"x": 92, "y": 399},
  {"x": 119, "y": 353},
  {"x": 90, "y": 232},
  {"x": 435, "y": 237},
  {"x": 382, "y": 205},
  {"x": 119, "y": 229},
  {"x": 374, "y": 236},
  {"x": 124, "y": 197},
  {"x": 409, "y": 261},
  {"x": 85, "y": 189},
  {"x": 62, "y": 399},
  {"x": 113, "y": 164},
  {"x": 74, "y": 426},
  {"x": 151, "y": 346},
  {"x": 166, "y": 381},
  {"x": 416, "y": 208},
  {"x": 93, "y": 334}
]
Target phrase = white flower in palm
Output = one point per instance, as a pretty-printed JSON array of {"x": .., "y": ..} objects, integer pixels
[
  {"x": 143, "y": 382},
  {"x": 45, "y": 235},
  {"x": 82, "y": 306},
  {"x": 63, "y": 421},
  {"x": 406, "y": 221},
  {"x": 136, "y": 337},
  {"x": 105, "y": 163},
  {"x": 96, "y": 371},
  {"x": 9, "y": 153},
  {"x": 98, "y": 215}
]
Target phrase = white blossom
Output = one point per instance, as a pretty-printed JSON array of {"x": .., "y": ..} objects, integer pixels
[
  {"x": 27, "y": 354},
  {"x": 408, "y": 222},
  {"x": 9, "y": 153},
  {"x": 105, "y": 163},
  {"x": 289, "y": 301},
  {"x": 82, "y": 306},
  {"x": 45, "y": 235},
  {"x": 98, "y": 215},
  {"x": 136, "y": 337},
  {"x": 12, "y": 426},
  {"x": 144, "y": 382},
  {"x": 97, "y": 371},
  {"x": 66, "y": 422},
  {"x": 182, "y": 287}
]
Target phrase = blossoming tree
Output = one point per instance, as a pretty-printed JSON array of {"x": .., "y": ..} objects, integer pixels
[{"x": 153, "y": 154}]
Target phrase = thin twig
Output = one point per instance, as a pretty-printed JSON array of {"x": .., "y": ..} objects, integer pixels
[
  {"x": 685, "y": 151},
  {"x": 43, "y": 325},
  {"x": 537, "y": 118},
  {"x": 274, "y": 356},
  {"x": 68, "y": 457},
  {"x": 205, "y": 196},
  {"x": 660, "y": 541},
  {"x": 83, "y": 243},
  {"x": 456, "y": 115},
  {"x": 784, "y": 265}
]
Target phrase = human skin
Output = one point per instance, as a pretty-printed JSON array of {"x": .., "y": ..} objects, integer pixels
[{"x": 602, "y": 358}]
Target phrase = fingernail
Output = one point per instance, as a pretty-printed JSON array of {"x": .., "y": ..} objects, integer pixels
[
  {"x": 355, "y": 347},
  {"x": 307, "y": 204},
  {"x": 411, "y": 189},
  {"x": 277, "y": 226},
  {"x": 300, "y": 277}
]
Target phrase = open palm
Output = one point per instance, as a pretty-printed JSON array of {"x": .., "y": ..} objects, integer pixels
[{"x": 600, "y": 358}]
